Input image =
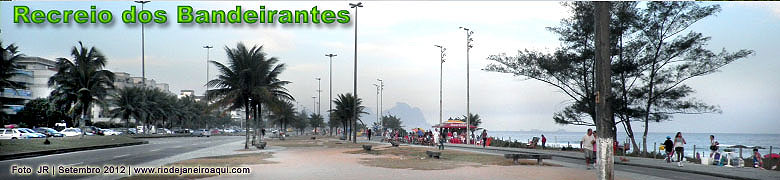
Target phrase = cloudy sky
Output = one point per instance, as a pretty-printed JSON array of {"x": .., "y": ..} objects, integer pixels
[{"x": 396, "y": 43}]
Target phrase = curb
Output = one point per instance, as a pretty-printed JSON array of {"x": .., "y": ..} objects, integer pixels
[
  {"x": 67, "y": 150},
  {"x": 622, "y": 163}
]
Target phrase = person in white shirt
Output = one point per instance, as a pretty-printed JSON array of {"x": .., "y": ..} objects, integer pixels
[
  {"x": 679, "y": 143},
  {"x": 586, "y": 146}
]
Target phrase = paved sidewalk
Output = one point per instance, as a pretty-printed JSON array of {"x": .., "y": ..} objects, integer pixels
[{"x": 726, "y": 172}]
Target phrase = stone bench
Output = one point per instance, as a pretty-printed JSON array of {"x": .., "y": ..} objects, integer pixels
[
  {"x": 433, "y": 154},
  {"x": 366, "y": 147},
  {"x": 260, "y": 145},
  {"x": 313, "y": 138},
  {"x": 538, "y": 157},
  {"x": 394, "y": 143}
]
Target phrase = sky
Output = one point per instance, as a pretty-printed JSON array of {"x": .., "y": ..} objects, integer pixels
[{"x": 396, "y": 44}]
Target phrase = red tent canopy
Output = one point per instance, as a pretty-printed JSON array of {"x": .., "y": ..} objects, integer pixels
[{"x": 454, "y": 124}]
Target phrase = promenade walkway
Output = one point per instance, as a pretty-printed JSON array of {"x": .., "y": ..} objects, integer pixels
[{"x": 718, "y": 171}]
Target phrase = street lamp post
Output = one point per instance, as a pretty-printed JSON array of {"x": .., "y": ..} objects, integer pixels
[
  {"x": 381, "y": 95},
  {"x": 354, "y": 83},
  {"x": 330, "y": 86},
  {"x": 441, "y": 77},
  {"x": 378, "y": 112},
  {"x": 208, "y": 50},
  {"x": 314, "y": 106},
  {"x": 143, "y": 58},
  {"x": 468, "y": 112},
  {"x": 319, "y": 95}
]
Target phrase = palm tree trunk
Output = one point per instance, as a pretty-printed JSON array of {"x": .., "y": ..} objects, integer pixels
[
  {"x": 259, "y": 115},
  {"x": 246, "y": 109}
]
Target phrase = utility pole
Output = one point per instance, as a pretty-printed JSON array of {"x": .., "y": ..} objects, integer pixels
[
  {"x": 604, "y": 117},
  {"x": 208, "y": 50},
  {"x": 441, "y": 77},
  {"x": 468, "y": 111},
  {"x": 354, "y": 85},
  {"x": 319, "y": 95}
]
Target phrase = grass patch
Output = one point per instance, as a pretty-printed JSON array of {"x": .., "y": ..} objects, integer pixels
[
  {"x": 15, "y": 146},
  {"x": 213, "y": 161},
  {"x": 406, "y": 157},
  {"x": 306, "y": 141}
]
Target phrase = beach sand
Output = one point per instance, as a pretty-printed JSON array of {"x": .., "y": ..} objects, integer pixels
[{"x": 333, "y": 163}]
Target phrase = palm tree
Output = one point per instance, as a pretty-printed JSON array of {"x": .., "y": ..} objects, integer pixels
[
  {"x": 82, "y": 81},
  {"x": 346, "y": 106},
  {"x": 267, "y": 86},
  {"x": 248, "y": 80},
  {"x": 8, "y": 69},
  {"x": 128, "y": 104},
  {"x": 316, "y": 121},
  {"x": 283, "y": 113}
]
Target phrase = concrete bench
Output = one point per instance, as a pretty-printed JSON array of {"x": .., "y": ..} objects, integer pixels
[
  {"x": 538, "y": 157},
  {"x": 313, "y": 138},
  {"x": 394, "y": 143},
  {"x": 433, "y": 154},
  {"x": 367, "y": 147},
  {"x": 260, "y": 145}
]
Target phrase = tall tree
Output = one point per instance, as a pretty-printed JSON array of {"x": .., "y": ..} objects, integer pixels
[
  {"x": 234, "y": 85},
  {"x": 82, "y": 80},
  {"x": 316, "y": 121},
  {"x": 605, "y": 120},
  {"x": 348, "y": 107},
  {"x": 671, "y": 57},
  {"x": 392, "y": 122},
  {"x": 9, "y": 56},
  {"x": 653, "y": 61},
  {"x": 128, "y": 103}
]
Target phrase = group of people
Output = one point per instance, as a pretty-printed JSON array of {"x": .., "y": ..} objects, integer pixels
[{"x": 676, "y": 147}]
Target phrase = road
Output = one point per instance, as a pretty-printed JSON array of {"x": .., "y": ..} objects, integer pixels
[
  {"x": 158, "y": 148},
  {"x": 648, "y": 173}
]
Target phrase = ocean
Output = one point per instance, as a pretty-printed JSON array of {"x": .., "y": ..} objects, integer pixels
[{"x": 701, "y": 140}]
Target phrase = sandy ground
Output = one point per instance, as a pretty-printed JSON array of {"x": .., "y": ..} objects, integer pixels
[{"x": 332, "y": 163}]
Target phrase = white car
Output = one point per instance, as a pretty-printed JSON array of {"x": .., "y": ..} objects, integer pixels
[
  {"x": 109, "y": 132},
  {"x": 71, "y": 131},
  {"x": 10, "y": 134},
  {"x": 29, "y": 133}
]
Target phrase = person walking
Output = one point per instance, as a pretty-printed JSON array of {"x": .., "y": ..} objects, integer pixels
[
  {"x": 368, "y": 133},
  {"x": 679, "y": 143},
  {"x": 668, "y": 147},
  {"x": 586, "y": 146},
  {"x": 484, "y": 138},
  {"x": 544, "y": 141},
  {"x": 713, "y": 145}
]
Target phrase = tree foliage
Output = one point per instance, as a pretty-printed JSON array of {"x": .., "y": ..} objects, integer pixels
[
  {"x": 81, "y": 81},
  {"x": 653, "y": 53}
]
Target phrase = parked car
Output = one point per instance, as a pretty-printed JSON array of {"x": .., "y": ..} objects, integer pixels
[
  {"x": 94, "y": 130},
  {"x": 10, "y": 134},
  {"x": 215, "y": 131},
  {"x": 228, "y": 130},
  {"x": 182, "y": 131},
  {"x": 71, "y": 131},
  {"x": 29, "y": 133},
  {"x": 163, "y": 131},
  {"x": 201, "y": 133},
  {"x": 110, "y": 132},
  {"x": 49, "y": 132}
]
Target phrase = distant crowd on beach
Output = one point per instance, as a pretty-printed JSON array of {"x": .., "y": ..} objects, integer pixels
[{"x": 674, "y": 149}]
